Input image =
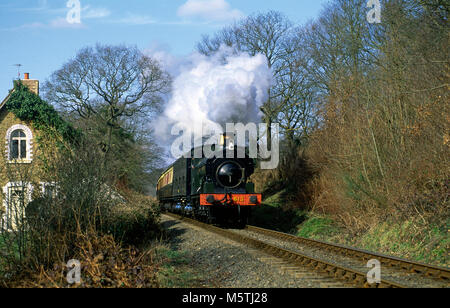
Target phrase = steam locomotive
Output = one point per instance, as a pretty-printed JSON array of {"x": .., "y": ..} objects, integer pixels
[{"x": 214, "y": 190}]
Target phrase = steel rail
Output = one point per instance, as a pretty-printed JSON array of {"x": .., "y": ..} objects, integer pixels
[
  {"x": 333, "y": 270},
  {"x": 441, "y": 273}
]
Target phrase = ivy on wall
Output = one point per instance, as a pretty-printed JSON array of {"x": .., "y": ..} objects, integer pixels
[{"x": 29, "y": 107}]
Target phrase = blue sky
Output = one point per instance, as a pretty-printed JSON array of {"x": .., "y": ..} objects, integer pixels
[{"x": 36, "y": 34}]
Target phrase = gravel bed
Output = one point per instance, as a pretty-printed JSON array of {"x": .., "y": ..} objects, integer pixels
[
  {"x": 227, "y": 264},
  {"x": 402, "y": 277}
]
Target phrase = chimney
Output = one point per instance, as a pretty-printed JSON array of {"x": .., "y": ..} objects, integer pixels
[{"x": 33, "y": 85}]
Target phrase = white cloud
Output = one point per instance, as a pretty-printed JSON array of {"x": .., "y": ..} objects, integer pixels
[
  {"x": 60, "y": 22},
  {"x": 34, "y": 25},
  {"x": 211, "y": 10},
  {"x": 57, "y": 23},
  {"x": 42, "y": 6},
  {"x": 90, "y": 12},
  {"x": 63, "y": 23},
  {"x": 134, "y": 19}
]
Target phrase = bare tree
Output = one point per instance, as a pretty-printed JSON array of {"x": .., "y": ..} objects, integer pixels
[
  {"x": 109, "y": 82},
  {"x": 296, "y": 91},
  {"x": 257, "y": 34}
]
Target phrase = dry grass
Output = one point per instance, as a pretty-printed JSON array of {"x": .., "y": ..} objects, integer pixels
[
  {"x": 367, "y": 174},
  {"x": 135, "y": 221},
  {"x": 104, "y": 264}
]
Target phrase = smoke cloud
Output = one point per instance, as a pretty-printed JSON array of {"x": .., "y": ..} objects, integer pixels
[{"x": 211, "y": 91}]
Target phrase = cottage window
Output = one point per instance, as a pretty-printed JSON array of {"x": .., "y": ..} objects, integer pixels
[
  {"x": 18, "y": 145},
  {"x": 49, "y": 190}
]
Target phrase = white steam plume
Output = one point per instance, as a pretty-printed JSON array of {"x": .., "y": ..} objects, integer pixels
[{"x": 211, "y": 91}]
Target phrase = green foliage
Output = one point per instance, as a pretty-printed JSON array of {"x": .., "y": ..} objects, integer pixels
[
  {"x": 317, "y": 227},
  {"x": 9, "y": 251},
  {"x": 276, "y": 200},
  {"x": 412, "y": 239},
  {"x": 359, "y": 189},
  {"x": 272, "y": 214},
  {"x": 29, "y": 107},
  {"x": 177, "y": 270}
]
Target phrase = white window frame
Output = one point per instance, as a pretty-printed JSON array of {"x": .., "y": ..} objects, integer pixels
[
  {"x": 29, "y": 136},
  {"x": 44, "y": 186},
  {"x": 7, "y": 225}
]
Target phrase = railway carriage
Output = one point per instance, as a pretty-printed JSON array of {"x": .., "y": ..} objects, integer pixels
[{"x": 216, "y": 190}]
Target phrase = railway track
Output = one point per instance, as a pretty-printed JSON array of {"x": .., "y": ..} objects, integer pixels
[
  {"x": 345, "y": 272},
  {"x": 440, "y": 274}
]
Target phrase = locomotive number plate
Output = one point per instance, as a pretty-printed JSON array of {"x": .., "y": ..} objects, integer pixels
[{"x": 239, "y": 199}]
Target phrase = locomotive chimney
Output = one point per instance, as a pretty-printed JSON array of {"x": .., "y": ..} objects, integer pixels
[{"x": 226, "y": 140}]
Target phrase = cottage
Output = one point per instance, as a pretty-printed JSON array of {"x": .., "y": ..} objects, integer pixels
[{"x": 20, "y": 174}]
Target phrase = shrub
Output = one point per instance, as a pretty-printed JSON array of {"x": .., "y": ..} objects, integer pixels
[
  {"x": 104, "y": 264},
  {"x": 136, "y": 221},
  {"x": 86, "y": 211}
]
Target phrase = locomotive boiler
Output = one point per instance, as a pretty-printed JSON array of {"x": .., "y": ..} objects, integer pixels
[{"x": 214, "y": 190}]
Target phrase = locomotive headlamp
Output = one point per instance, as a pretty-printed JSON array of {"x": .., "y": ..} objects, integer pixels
[{"x": 230, "y": 174}]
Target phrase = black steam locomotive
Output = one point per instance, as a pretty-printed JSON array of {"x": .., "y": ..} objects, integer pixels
[{"x": 215, "y": 190}]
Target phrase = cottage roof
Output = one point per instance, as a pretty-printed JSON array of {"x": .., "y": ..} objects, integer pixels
[{"x": 5, "y": 100}]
